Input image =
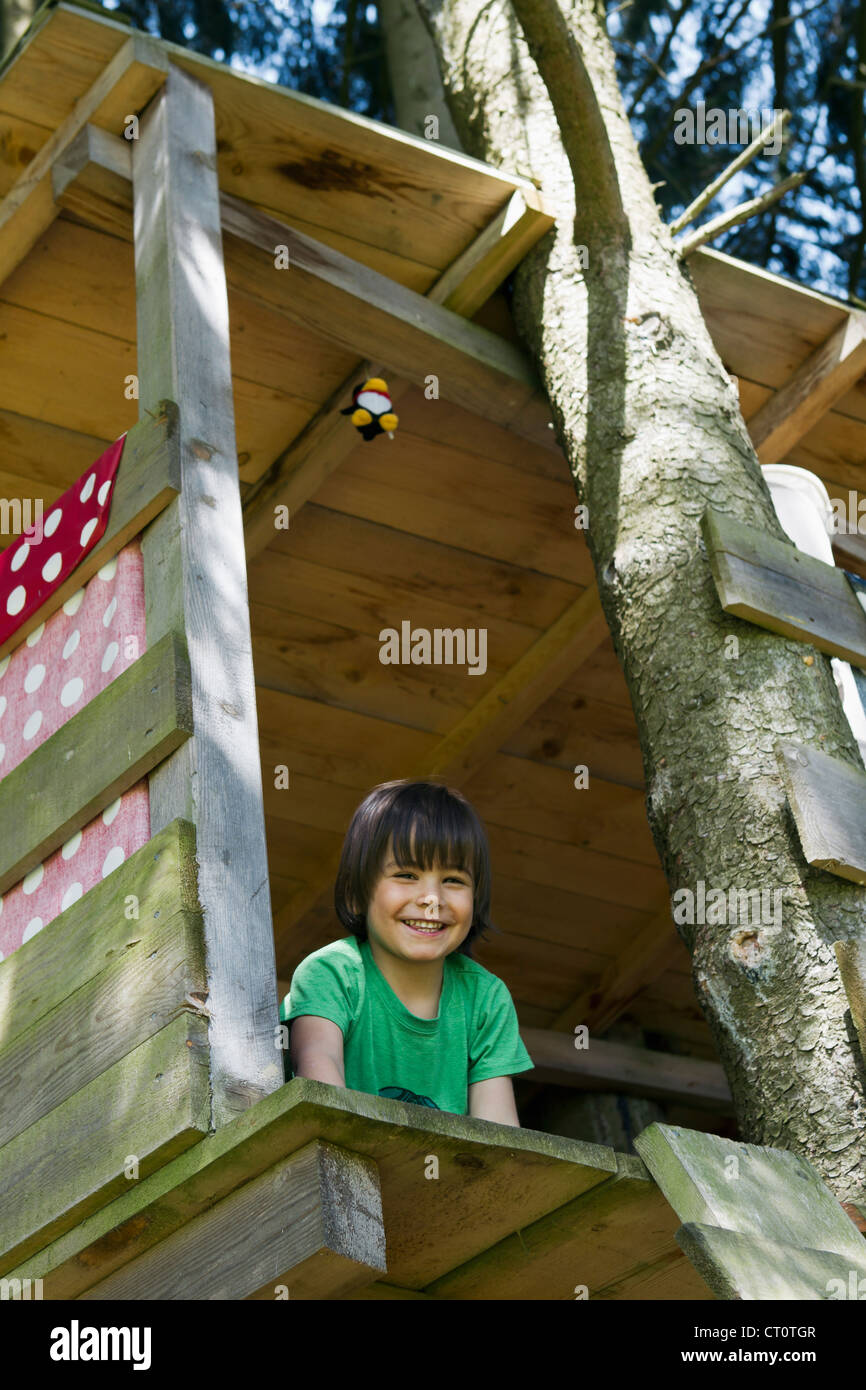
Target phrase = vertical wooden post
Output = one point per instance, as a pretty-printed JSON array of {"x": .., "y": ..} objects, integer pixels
[{"x": 195, "y": 581}]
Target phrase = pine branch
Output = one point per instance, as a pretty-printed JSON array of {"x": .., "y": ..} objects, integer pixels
[
  {"x": 748, "y": 154},
  {"x": 742, "y": 213}
]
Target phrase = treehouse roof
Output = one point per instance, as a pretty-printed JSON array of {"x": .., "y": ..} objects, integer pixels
[{"x": 398, "y": 249}]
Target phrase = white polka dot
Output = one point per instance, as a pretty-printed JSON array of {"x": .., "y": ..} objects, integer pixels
[
  {"x": 72, "y": 605},
  {"x": 87, "y": 490},
  {"x": 113, "y": 860},
  {"x": 52, "y": 567},
  {"x": 88, "y": 529},
  {"x": 33, "y": 879},
  {"x": 19, "y": 557},
  {"x": 31, "y": 728},
  {"x": 109, "y": 612},
  {"x": 2, "y": 705},
  {"x": 71, "y": 692},
  {"x": 103, "y": 492},
  {"x": 34, "y": 678},
  {"x": 71, "y": 644},
  {"x": 16, "y": 600},
  {"x": 35, "y": 635},
  {"x": 4, "y": 666},
  {"x": 110, "y": 812},
  {"x": 33, "y": 926},
  {"x": 52, "y": 521},
  {"x": 108, "y": 571},
  {"x": 71, "y": 845},
  {"x": 110, "y": 656},
  {"x": 72, "y": 894}
]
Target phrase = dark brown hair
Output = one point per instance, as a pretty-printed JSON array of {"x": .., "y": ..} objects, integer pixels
[{"x": 430, "y": 825}]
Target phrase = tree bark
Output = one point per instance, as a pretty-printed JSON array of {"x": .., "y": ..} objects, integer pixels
[
  {"x": 650, "y": 424},
  {"x": 15, "y": 16},
  {"x": 414, "y": 71}
]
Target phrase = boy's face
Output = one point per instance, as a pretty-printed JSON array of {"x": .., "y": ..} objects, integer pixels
[{"x": 420, "y": 914}]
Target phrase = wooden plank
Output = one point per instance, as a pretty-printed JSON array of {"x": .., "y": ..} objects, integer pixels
[
  {"x": 654, "y": 949},
  {"x": 311, "y": 1224},
  {"x": 471, "y": 279},
  {"x": 148, "y": 479},
  {"x": 195, "y": 580},
  {"x": 125, "y": 85},
  {"x": 828, "y": 800},
  {"x": 88, "y": 937},
  {"x": 851, "y": 956},
  {"x": 826, "y": 375},
  {"x": 104, "y": 749},
  {"x": 92, "y": 178},
  {"x": 736, "y": 1266},
  {"x": 616, "y": 1066},
  {"x": 617, "y": 1230},
  {"x": 150, "y": 1106},
  {"x": 769, "y": 1194},
  {"x": 492, "y": 1179},
  {"x": 98, "y": 1024},
  {"x": 771, "y": 583}
]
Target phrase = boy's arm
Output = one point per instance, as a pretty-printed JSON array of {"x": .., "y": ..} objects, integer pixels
[
  {"x": 316, "y": 1049},
  {"x": 493, "y": 1099}
]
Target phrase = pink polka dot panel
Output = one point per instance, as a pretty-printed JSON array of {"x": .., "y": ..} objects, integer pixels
[
  {"x": 55, "y": 671},
  {"x": 47, "y": 553}
]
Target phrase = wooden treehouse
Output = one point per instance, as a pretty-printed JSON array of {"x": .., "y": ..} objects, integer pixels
[{"x": 191, "y": 714}]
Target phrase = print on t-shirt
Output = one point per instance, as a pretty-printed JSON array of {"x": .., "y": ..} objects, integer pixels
[{"x": 400, "y": 1093}]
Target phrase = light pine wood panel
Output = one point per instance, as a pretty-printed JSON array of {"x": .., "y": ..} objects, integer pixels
[
  {"x": 571, "y": 730},
  {"x": 600, "y": 677}
]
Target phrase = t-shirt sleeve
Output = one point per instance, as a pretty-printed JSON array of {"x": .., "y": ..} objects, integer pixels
[
  {"x": 497, "y": 1048},
  {"x": 323, "y": 986}
]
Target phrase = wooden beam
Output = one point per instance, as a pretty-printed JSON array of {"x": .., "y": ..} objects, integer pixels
[
  {"x": 311, "y": 1227},
  {"x": 630, "y": 1070},
  {"x": 348, "y": 303},
  {"x": 195, "y": 580},
  {"x": 471, "y": 279},
  {"x": 828, "y": 801},
  {"x": 769, "y": 1194},
  {"x": 849, "y": 552},
  {"x": 771, "y": 583},
  {"x": 653, "y": 951},
  {"x": 565, "y": 645},
  {"x": 92, "y": 178},
  {"x": 736, "y": 1266},
  {"x": 148, "y": 478},
  {"x": 826, "y": 375},
  {"x": 123, "y": 88},
  {"x": 103, "y": 750}
]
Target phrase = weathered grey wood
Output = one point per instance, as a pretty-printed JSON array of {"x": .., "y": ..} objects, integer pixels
[
  {"x": 195, "y": 578},
  {"x": 776, "y": 586},
  {"x": 762, "y": 1192},
  {"x": 93, "y": 179},
  {"x": 828, "y": 800},
  {"x": 155, "y": 883},
  {"x": 492, "y": 1180},
  {"x": 754, "y": 1269},
  {"x": 309, "y": 1228},
  {"x": 618, "y": 1066},
  {"x": 98, "y": 1024},
  {"x": 851, "y": 956},
  {"x": 103, "y": 750},
  {"x": 148, "y": 478},
  {"x": 151, "y": 1105}
]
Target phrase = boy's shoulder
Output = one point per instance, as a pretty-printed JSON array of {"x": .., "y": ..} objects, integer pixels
[
  {"x": 474, "y": 975},
  {"x": 345, "y": 950}
]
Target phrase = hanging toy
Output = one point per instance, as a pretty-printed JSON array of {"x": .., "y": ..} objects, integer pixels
[{"x": 371, "y": 409}]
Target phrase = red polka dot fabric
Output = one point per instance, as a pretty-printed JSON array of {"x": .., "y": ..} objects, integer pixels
[
  {"x": 57, "y": 669},
  {"x": 47, "y": 553}
]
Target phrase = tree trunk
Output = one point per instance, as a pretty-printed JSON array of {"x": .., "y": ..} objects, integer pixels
[
  {"x": 15, "y": 15},
  {"x": 414, "y": 72},
  {"x": 650, "y": 424}
]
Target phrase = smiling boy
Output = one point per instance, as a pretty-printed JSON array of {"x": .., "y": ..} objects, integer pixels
[{"x": 399, "y": 1008}]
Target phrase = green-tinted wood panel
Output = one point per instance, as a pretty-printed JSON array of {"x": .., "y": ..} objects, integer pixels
[
  {"x": 152, "y": 1104},
  {"x": 111, "y": 743},
  {"x": 828, "y": 800},
  {"x": 156, "y": 882}
]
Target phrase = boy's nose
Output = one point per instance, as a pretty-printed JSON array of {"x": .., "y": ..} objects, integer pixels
[{"x": 431, "y": 906}]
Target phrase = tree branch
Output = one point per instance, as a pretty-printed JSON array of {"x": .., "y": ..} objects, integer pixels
[
  {"x": 734, "y": 167},
  {"x": 741, "y": 213}
]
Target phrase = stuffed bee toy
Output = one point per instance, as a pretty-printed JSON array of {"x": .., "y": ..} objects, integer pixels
[{"x": 371, "y": 409}]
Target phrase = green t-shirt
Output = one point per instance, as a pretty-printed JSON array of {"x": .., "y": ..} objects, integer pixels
[{"x": 388, "y": 1051}]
